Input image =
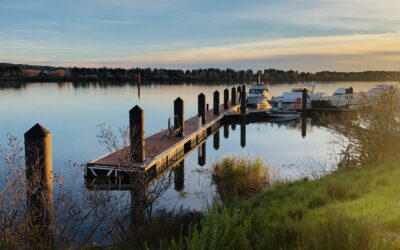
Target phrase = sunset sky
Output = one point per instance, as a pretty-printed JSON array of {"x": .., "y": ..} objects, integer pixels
[{"x": 306, "y": 35}]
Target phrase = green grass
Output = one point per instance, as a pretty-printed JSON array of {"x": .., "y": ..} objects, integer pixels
[{"x": 349, "y": 209}]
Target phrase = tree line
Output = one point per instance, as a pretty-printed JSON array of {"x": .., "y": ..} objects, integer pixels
[{"x": 32, "y": 72}]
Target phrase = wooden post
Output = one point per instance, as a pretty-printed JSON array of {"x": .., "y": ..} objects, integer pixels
[
  {"x": 233, "y": 96},
  {"x": 201, "y": 101},
  {"x": 179, "y": 121},
  {"x": 216, "y": 103},
  {"x": 239, "y": 93},
  {"x": 216, "y": 140},
  {"x": 304, "y": 99},
  {"x": 226, "y": 99},
  {"x": 243, "y": 100},
  {"x": 39, "y": 176},
  {"x": 351, "y": 90},
  {"x": 136, "y": 129},
  {"x": 179, "y": 176}
]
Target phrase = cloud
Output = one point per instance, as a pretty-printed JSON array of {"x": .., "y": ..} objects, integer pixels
[{"x": 114, "y": 22}]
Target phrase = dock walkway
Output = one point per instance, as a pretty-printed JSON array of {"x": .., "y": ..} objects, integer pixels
[{"x": 161, "y": 150}]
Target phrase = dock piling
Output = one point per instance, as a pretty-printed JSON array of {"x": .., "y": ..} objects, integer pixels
[
  {"x": 226, "y": 99},
  {"x": 243, "y": 100},
  {"x": 179, "y": 120},
  {"x": 233, "y": 96},
  {"x": 216, "y": 103},
  {"x": 39, "y": 175},
  {"x": 304, "y": 99},
  {"x": 136, "y": 129},
  {"x": 201, "y": 100}
]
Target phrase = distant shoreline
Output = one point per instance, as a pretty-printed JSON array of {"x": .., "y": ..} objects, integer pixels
[{"x": 33, "y": 73}]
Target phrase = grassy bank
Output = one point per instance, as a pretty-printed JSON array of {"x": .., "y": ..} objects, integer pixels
[{"x": 349, "y": 209}]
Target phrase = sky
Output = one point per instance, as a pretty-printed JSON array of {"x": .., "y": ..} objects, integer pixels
[{"x": 304, "y": 35}]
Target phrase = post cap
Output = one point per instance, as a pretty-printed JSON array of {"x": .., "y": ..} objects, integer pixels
[
  {"x": 37, "y": 131},
  {"x": 136, "y": 109},
  {"x": 178, "y": 99}
]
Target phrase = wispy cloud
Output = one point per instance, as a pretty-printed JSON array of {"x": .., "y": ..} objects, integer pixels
[{"x": 114, "y": 22}]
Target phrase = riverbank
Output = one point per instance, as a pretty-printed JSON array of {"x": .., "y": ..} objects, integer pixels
[{"x": 348, "y": 209}]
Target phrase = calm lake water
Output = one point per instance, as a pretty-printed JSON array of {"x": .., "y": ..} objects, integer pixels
[{"x": 73, "y": 111}]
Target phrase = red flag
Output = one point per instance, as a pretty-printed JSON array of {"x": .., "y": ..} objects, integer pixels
[{"x": 138, "y": 78}]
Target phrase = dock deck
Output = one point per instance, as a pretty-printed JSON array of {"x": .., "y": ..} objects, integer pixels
[{"x": 161, "y": 150}]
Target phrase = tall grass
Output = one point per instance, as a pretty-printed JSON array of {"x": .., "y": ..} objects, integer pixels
[{"x": 239, "y": 176}]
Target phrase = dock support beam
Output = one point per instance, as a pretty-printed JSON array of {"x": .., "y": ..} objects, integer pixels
[
  {"x": 39, "y": 176},
  {"x": 216, "y": 103},
  {"x": 179, "y": 119},
  {"x": 226, "y": 99},
  {"x": 201, "y": 101},
  {"x": 233, "y": 96},
  {"x": 304, "y": 99},
  {"x": 136, "y": 129},
  {"x": 243, "y": 100}
]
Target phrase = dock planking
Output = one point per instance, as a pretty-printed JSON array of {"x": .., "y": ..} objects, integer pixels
[{"x": 161, "y": 149}]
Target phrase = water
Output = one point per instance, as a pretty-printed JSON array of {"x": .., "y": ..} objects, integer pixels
[{"x": 73, "y": 111}]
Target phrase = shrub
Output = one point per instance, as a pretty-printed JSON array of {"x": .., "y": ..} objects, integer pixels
[{"x": 241, "y": 177}]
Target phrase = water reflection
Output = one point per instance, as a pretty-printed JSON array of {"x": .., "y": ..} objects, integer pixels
[
  {"x": 226, "y": 131},
  {"x": 243, "y": 135},
  {"x": 179, "y": 176},
  {"x": 216, "y": 139},
  {"x": 201, "y": 152}
]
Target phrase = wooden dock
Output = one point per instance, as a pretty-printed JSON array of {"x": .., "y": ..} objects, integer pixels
[{"x": 161, "y": 150}]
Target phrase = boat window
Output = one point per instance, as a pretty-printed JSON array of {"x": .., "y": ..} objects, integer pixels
[{"x": 255, "y": 91}]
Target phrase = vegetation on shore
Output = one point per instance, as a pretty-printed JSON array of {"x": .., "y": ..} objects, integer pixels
[
  {"x": 20, "y": 72},
  {"x": 349, "y": 209},
  {"x": 239, "y": 177}
]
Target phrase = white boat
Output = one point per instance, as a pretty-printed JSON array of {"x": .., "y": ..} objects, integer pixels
[
  {"x": 259, "y": 95},
  {"x": 343, "y": 98},
  {"x": 294, "y": 97}
]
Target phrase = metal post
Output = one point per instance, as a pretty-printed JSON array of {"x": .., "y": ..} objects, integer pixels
[
  {"x": 39, "y": 175},
  {"x": 201, "y": 101},
  {"x": 136, "y": 129},
  {"x": 216, "y": 103},
  {"x": 179, "y": 121}
]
